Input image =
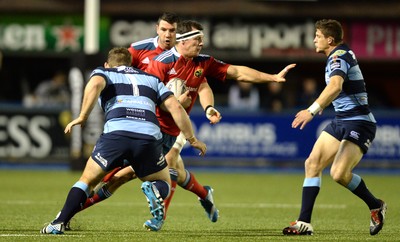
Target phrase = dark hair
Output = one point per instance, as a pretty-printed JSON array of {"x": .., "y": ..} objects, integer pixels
[
  {"x": 119, "y": 56},
  {"x": 187, "y": 25},
  {"x": 168, "y": 17},
  {"x": 330, "y": 28}
]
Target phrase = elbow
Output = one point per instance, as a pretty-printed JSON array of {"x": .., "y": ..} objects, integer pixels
[{"x": 338, "y": 90}]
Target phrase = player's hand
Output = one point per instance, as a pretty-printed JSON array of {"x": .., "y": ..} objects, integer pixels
[
  {"x": 213, "y": 115},
  {"x": 195, "y": 143},
  {"x": 302, "y": 118},
  {"x": 78, "y": 121},
  {"x": 280, "y": 77},
  {"x": 185, "y": 99}
]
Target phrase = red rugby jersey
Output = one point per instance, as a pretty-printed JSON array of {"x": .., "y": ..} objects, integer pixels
[{"x": 171, "y": 64}]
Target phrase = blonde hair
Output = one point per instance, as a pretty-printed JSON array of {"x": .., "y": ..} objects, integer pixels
[{"x": 119, "y": 56}]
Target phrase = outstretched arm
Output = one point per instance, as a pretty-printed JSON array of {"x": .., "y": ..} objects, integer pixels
[{"x": 247, "y": 74}]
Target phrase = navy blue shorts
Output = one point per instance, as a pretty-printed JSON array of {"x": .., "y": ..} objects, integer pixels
[
  {"x": 145, "y": 156},
  {"x": 167, "y": 142},
  {"x": 361, "y": 133}
]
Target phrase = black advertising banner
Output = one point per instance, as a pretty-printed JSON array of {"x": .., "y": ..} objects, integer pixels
[{"x": 33, "y": 135}]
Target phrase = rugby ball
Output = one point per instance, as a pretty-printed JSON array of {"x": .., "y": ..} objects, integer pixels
[{"x": 177, "y": 86}]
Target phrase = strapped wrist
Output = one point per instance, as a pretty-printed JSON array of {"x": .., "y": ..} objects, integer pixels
[
  {"x": 314, "y": 108},
  {"x": 209, "y": 106}
]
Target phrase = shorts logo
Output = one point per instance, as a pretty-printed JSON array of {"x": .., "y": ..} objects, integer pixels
[
  {"x": 103, "y": 161},
  {"x": 161, "y": 160},
  {"x": 355, "y": 135},
  {"x": 367, "y": 143}
]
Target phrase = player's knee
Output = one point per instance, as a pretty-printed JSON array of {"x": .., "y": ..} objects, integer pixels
[
  {"x": 338, "y": 176},
  {"x": 312, "y": 165}
]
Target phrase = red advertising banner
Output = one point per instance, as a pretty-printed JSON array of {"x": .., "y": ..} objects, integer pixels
[{"x": 375, "y": 40}]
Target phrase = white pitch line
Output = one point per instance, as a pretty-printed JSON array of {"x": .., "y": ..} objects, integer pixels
[
  {"x": 35, "y": 235},
  {"x": 221, "y": 205}
]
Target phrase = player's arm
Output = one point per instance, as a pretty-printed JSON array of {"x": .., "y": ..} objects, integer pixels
[
  {"x": 92, "y": 92},
  {"x": 330, "y": 92},
  {"x": 182, "y": 120},
  {"x": 206, "y": 98},
  {"x": 247, "y": 74}
]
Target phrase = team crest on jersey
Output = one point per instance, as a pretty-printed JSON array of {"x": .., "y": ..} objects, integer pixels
[{"x": 198, "y": 72}]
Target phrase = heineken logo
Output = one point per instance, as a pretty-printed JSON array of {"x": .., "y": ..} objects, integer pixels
[{"x": 44, "y": 36}]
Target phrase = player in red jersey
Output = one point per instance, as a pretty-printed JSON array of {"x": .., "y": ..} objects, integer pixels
[
  {"x": 145, "y": 50},
  {"x": 184, "y": 61}
]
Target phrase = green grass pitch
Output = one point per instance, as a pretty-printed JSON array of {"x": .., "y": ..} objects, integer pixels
[{"x": 253, "y": 207}]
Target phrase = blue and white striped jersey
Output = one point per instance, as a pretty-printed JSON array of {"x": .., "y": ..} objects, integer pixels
[
  {"x": 129, "y": 101},
  {"x": 352, "y": 102}
]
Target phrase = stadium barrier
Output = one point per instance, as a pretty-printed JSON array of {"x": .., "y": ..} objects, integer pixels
[{"x": 31, "y": 136}]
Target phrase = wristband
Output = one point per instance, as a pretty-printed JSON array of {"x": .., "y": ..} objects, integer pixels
[
  {"x": 191, "y": 140},
  {"x": 314, "y": 108},
  {"x": 209, "y": 106}
]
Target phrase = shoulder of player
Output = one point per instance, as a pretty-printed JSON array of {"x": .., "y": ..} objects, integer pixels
[
  {"x": 166, "y": 57},
  {"x": 341, "y": 52},
  {"x": 146, "y": 44},
  {"x": 203, "y": 57}
]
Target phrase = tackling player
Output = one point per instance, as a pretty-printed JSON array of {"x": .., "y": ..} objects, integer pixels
[{"x": 132, "y": 136}]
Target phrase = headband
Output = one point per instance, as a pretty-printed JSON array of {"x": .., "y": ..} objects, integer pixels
[{"x": 188, "y": 35}]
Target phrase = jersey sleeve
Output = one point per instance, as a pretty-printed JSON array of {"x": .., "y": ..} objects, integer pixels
[
  {"x": 163, "y": 93},
  {"x": 217, "y": 69},
  {"x": 338, "y": 67}
]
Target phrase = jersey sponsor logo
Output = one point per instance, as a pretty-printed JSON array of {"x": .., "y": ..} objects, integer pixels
[
  {"x": 172, "y": 72},
  {"x": 355, "y": 135},
  {"x": 335, "y": 65},
  {"x": 339, "y": 53},
  {"x": 103, "y": 161},
  {"x": 198, "y": 72}
]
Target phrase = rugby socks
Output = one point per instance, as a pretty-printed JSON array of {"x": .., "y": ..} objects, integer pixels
[
  {"x": 174, "y": 180},
  {"x": 101, "y": 195},
  {"x": 162, "y": 187},
  {"x": 357, "y": 186},
  {"x": 311, "y": 187},
  {"x": 192, "y": 185},
  {"x": 74, "y": 202}
]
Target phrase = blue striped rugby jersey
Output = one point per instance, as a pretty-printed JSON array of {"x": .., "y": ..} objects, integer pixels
[
  {"x": 352, "y": 102},
  {"x": 129, "y": 101}
]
